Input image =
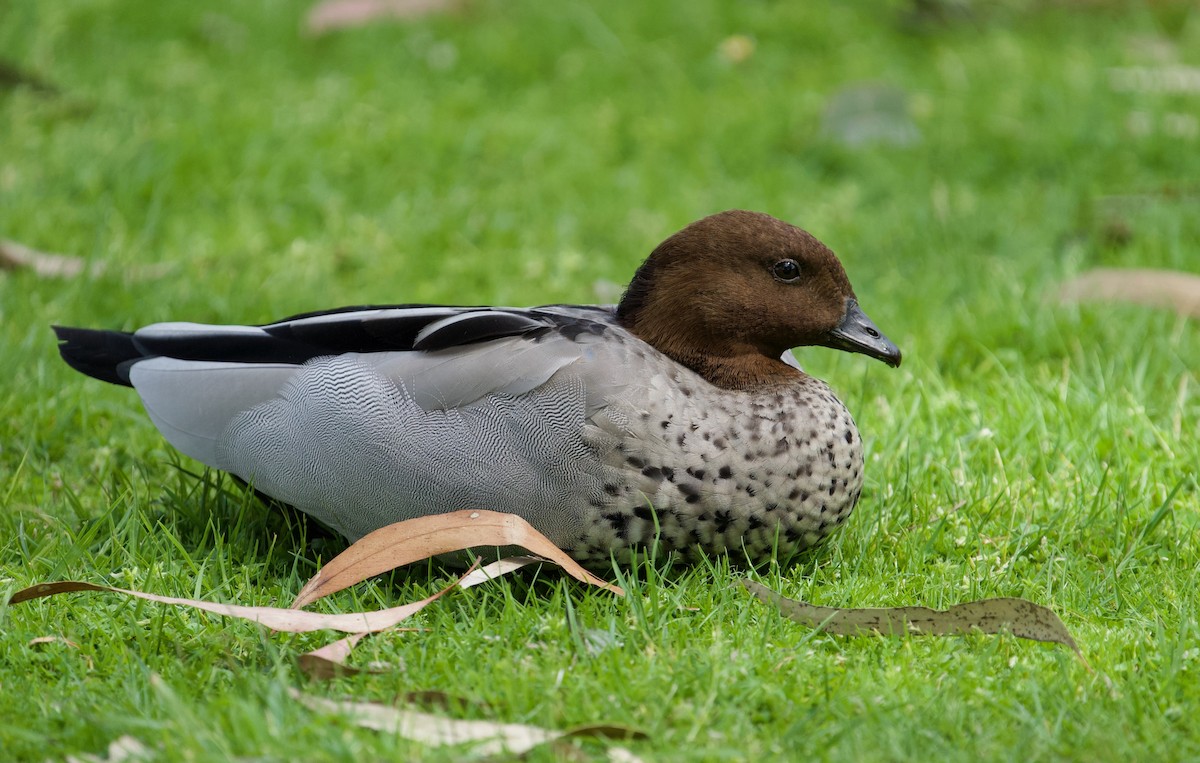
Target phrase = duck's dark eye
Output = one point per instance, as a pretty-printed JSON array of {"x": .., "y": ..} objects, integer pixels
[{"x": 786, "y": 270}]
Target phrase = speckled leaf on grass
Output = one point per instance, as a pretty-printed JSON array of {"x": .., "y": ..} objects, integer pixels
[
  {"x": 1000, "y": 615},
  {"x": 486, "y": 737},
  {"x": 329, "y": 661},
  {"x": 276, "y": 618},
  {"x": 418, "y": 539}
]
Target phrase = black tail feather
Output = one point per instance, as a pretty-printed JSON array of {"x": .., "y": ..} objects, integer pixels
[{"x": 103, "y": 355}]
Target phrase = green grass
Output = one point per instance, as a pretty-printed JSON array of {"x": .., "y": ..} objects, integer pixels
[{"x": 516, "y": 153}]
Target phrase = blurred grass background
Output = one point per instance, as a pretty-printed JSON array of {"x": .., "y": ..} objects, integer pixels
[{"x": 213, "y": 162}]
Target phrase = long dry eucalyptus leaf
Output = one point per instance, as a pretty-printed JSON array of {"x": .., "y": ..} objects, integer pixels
[
  {"x": 418, "y": 539},
  {"x": 276, "y": 618},
  {"x": 329, "y": 661},
  {"x": 1001, "y": 615},
  {"x": 487, "y": 737}
]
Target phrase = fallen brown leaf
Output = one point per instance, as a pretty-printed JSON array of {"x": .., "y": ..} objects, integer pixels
[
  {"x": 345, "y": 14},
  {"x": 14, "y": 256},
  {"x": 1019, "y": 617},
  {"x": 329, "y": 661},
  {"x": 276, "y": 618},
  {"x": 487, "y": 737},
  {"x": 417, "y": 539},
  {"x": 1172, "y": 289},
  {"x": 52, "y": 640}
]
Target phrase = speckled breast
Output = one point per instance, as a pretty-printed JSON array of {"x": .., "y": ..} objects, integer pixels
[{"x": 717, "y": 471}]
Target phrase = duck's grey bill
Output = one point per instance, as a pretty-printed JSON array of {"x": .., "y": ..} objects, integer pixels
[{"x": 857, "y": 333}]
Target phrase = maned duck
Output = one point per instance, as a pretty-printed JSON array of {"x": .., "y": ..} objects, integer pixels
[{"x": 678, "y": 414}]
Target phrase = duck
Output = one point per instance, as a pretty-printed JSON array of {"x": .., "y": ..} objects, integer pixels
[{"x": 677, "y": 418}]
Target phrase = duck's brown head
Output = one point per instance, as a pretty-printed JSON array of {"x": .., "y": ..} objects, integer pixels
[{"x": 727, "y": 295}]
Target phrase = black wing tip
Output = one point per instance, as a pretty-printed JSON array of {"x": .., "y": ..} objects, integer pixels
[{"x": 100, "y": 354}]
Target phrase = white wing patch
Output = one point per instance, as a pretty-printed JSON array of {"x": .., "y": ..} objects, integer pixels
[
  {"x": 350, "y": 446},
  {"x": 193, "y": 401}
]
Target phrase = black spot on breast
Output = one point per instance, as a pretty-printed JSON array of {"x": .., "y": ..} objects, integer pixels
[
  {"x": 643, "y": 512},
  {"x": 794, "y": 494},
  {"x": 664, "y": 424},
  {"x": 725, "y": 472},
  {"x": 681, "y": 439},
  {"x": 635, "y": 462},
  {"x": 720, "y": 442},
  {"x": 697, "y": 473},
  {"x": 832, "y": 487},
  {"x": 612, "y": 489},
  {"x": 620, "y": 524},
  {"x": 653, "y": 472},
  {"x": 724, "y": 519},
  {"x": 750, "y": 491},
  {"x": 668, "y": 472},
  {"x": 849, "y": 436}
]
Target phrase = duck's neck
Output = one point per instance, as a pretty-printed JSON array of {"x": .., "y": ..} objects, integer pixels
[
  {"x": 723, "y": 364},
  {"x": 742, "y": 372}
]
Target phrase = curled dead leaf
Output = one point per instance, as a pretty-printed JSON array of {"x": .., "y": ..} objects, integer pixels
[
  {"x": 1171, "y": 289},
  {"x": 1019, "y": 617},
  {"x": 418, "y": 539}
]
